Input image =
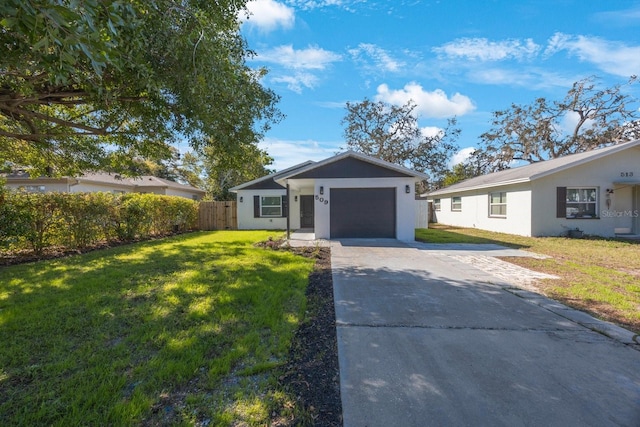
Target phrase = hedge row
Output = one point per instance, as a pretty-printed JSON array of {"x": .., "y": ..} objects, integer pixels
[{"x": 38, "y": 221}]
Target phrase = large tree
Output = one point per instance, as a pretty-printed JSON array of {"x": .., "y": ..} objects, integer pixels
[
  {"x": 179, "y": 168},
  {"x": 219, "y": 170},
  {"x": 93, "y": 84},
  {"x": 458, "y": 173},
  {"x": 391, "y": 133},
  {"x": 588, "y": 117}
]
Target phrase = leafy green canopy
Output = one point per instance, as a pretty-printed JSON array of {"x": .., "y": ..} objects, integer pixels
[{"x": 93, "y": 84}]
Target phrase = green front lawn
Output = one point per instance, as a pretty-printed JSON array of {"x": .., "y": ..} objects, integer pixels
[
  {"x": 599, "y": 275},
  {"x": 175, "y": 331}
]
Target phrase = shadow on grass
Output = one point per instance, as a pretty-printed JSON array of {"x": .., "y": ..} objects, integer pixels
[
  {"x": 440, "y": 233},
  {"x": 109, "y": 336},
  {"x": 437, "y": 233}
]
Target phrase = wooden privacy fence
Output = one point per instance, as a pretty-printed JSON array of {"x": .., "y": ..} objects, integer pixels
[{"x": 218, "y": 216}]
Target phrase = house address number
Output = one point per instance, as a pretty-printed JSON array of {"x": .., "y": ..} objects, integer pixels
[{"x": 626, "y": 174}]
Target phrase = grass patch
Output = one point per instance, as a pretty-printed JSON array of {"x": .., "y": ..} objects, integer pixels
[
  {"x": 185, "y": 330},
  {"x": 601, "y": 276}
]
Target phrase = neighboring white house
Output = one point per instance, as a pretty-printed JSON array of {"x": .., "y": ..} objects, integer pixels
[
  {"x": 347, "y": 195},
  {"x": 97, "y": 182},
  {"x": 597, "y": 192}
]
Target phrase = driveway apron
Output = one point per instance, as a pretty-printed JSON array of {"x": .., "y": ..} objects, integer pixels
[{"x": 425, "y": 339}]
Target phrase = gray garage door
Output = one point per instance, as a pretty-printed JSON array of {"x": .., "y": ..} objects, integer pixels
[{"x": 363, "y": 212}]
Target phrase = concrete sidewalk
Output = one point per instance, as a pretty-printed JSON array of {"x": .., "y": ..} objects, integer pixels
[{"x": 425, "y": 338}]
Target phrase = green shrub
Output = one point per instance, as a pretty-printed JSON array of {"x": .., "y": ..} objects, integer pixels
[
  {"x": 31, "y": 218},
  {"x": 79, "y": 220},
  {"x": 87, "y": 217}
]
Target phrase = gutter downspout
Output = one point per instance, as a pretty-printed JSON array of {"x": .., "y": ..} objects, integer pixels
[
  {"x": 72, "y": 182},
  {"x": 288, "y": 213}
]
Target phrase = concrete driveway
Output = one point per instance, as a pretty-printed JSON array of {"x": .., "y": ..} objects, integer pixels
[{"x": 425, "y": 338}]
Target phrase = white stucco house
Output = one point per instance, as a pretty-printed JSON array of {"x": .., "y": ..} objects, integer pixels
[
  {"x": 347, "y": 195},
  {"x": 102, "y": 182},
  {"x": 597, "y": 192}
]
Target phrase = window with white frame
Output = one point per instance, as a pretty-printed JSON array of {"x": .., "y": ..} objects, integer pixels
[
  {"x": 270, "y": 206},
  {"x": 582, "y": 202},
  {"x": 456, "y": 203},
  {"x": 498, "y": 204},
  {"x": 437, "y": 205}
]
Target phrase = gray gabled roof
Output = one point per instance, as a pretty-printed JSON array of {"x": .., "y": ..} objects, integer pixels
[
  {"x": 533, "y": 171},
  {"x": 137, "y": 182},
  {"x": 355, "y": 155},
  {"x": 283, "y": 175},
  {"x": 106, "y": 178},
  {"x": 272, "y": 176}
]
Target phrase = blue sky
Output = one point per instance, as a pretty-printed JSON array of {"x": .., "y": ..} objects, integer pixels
[{"x": 452, "y": 58}]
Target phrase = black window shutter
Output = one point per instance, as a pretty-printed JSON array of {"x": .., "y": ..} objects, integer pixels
[
  {"x": 285, "y": 206},
  {"x": 256, "y": 206},
  {"x": 561, "y": 202}
]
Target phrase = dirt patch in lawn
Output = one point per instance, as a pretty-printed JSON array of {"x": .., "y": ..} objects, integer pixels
[{"x": 574, "y": 286}]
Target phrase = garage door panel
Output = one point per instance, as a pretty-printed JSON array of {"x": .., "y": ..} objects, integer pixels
[{"x": 363, "y": 212}]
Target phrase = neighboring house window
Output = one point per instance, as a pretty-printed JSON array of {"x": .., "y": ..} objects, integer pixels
[
  {"x": 580, "y": 202},
  {"x": 33, "y": 188},
  {"x": 456, "y": 203},
  {"x": 436, "y": 204},
  {"x": 498, "y": 204},
  {"x": 270, "y": 206},
  {"x": 194, "y": 197}
]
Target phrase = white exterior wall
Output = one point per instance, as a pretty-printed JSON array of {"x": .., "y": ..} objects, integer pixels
[
  {"x": 183, "y": 193},
  {"x": 602, "y": 174},
  {"x": 85, "y": 187},
  {"x": 475, "y": 210},
  {"x": 246, "y": 221},
  {"x": 405, "y": 203},
  {"x": 294, "y": 210}
]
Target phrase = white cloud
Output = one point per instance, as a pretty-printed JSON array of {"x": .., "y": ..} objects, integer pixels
[
  {"x": 428, "y": 104},
  {"x": 267, "y": 15},
  {"x": 297, "y": 81},
  {"x": 431, "y": 131},
  {"x": 299, "y": 65},
  {"x": 625, "y": 17},
  {"x": 461, "y": 156},
  {"x": 311, "y": 58},
  {"x": 482, "y": 49},
  {"x": 612, "y": 57},
  {"x": 287, "y": 153},
  {"x": 316, "y": 4},
  {"x": 570, "y": 120},
  {"x": 381, "y": 58},
  {"x": 533, "y": 78}
]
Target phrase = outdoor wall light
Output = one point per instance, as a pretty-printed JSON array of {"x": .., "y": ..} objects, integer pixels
[
  {"x": 241, "y": 199},
  {"x": 321, "y": 189},
  {"x": 295, "y": 198},
  {"x": 407, "y": 189}
]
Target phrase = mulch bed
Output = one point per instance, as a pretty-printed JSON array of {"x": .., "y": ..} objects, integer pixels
[{"x": 312, "y": 373}]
